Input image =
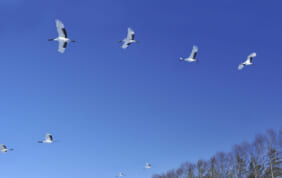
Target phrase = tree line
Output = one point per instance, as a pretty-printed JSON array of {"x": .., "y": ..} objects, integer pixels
[{"x": 260, "y": 159}]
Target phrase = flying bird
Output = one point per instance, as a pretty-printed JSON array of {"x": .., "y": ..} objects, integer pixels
[
  {"x": 62, "y": 37},
  {"x": 192, "y": 57},
  {"x": 48, "y": 139},
  {"x": 248, "y": 62},
  {"x": 120, "y": 174},
  {"x": 129, "y": 39},
  {"x": 4, "y": 148},
  {"x": 148, "y": 166}
]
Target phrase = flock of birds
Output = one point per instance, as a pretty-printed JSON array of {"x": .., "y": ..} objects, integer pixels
[
  {"x": 48, "y": 139},
  {"x": 63, "y": 40},
  {"x": 147, "y": 166}
]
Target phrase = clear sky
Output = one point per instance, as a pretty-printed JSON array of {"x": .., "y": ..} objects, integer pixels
[{"x": 111, "y": 109}]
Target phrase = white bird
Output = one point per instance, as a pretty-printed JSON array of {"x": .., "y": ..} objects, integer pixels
[
  {"x": 4, "y": 148},
  {"x": 129, "y": 39},
  {"x": 48, "y": 139},
  {"x": 148, "y": 166},
  {"x": 62, "y": 37},
  {"x": 120, "y": 174},
  {"x": 248, "y": 62},
  {"x": 192, "y": 57}
]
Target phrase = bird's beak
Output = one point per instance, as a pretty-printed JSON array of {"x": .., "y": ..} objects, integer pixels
[
  {"x": 50, "y": 39},
  {"x": 73, "y": 41}
]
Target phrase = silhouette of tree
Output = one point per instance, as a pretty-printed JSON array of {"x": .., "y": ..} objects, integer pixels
[{"x": 261, "y": 159}]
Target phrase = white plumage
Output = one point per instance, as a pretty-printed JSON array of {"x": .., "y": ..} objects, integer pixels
[
  {"x": 62, "y": 38},
  {"x": 4, "y": 149},
  {"x": 129, "y": 39},
  {"x": 120, "y": 174},
  {"x": 148, "y": 166},
  {"x": 192, "y": 57},
  {"x": 248, "y": 62},
  {"x": 48, "y": 139}
]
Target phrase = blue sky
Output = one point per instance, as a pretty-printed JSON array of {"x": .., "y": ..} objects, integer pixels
[{"x": 113, "y": 110}]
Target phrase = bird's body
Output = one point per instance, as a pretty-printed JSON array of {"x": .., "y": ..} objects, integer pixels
[
  {"x": 148, "y": 166},
  {"x": 129, "y": 39},
  {"x": 62, "y": 37},
  {"x": 48, "y": 139},
  {"x": 192, "y": 57},
  {"x": 4, "y": 148},
  {"x": 248, "y": 62},
  {"x": 120, "y": 174}
]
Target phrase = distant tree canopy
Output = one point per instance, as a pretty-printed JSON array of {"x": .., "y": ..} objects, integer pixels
[{"x": 260, "y": 159}]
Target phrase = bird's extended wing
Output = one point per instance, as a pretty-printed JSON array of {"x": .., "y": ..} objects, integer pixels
[
  {"x": 194, "y": 52},
  {"x": 251, "y": 56},
  {"x": 241, "y": 66},
  {"x": 61, "y": 29},
  {"x": 130, "y": 34},
  {"x": 3, "y": 146},
  {"x": 62, "y": 46},
  {"x": 49, "y": 137},
  {"x": 125, "y": 45}
]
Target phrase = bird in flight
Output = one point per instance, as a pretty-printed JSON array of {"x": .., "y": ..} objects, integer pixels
[
  {"x": 62, "y": 37},
  {"x": 148, "y": 166},
  {"x": 129, "y": 39},
  {"x": 121, "y": 174},
  {"x": 4, "y": 148},
  {"x": 248, "y": 62},
  {"x": 48, "y": 139},
  {"x": 192, "y": 57}
]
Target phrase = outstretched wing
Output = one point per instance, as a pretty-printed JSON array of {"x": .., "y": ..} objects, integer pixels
[
  {"x": 125, "y": 45},
  {"x": 61, "y": 29},
  {"x": 241, "y": 66},
  {"x": 3, "y": 146},
  {"x": 251, "y": 56},
  {"x": 194, "y": 52},
  {"x": 130, "y": 34},
  {"x": 49, "y": 137},
  {"x": 62, "y": 46}
]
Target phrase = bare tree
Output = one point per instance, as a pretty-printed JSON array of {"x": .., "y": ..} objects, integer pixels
[
  {"x": 191, "y": 171},
  {"x": 221, "y": 164},
  {"x": 231, "y": 165},
  {"x": 202, "y": 168},
  {"x": 259, "y": 146},
  {"x": 180, "y": 172},
  {"x": 240, "y": 162},
  {"x": 212, "y": 173},
  {"x": 280, "y": 139},
  {"x": 261, "y": 159},
  {"x": 274, "y": 162}
]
